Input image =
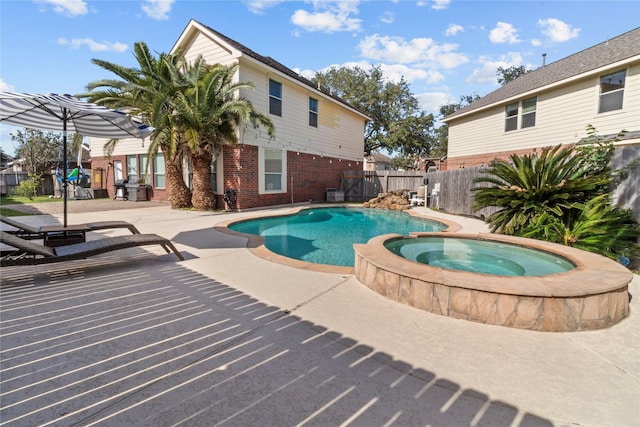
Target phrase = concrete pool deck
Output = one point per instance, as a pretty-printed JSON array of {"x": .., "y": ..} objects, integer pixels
[{"x": 224, "y": 337}]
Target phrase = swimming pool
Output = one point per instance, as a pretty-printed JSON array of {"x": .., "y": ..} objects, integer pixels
[{"x": 327, "y": 235}]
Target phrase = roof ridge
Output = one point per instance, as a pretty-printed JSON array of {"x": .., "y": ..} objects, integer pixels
[
  {"x": 270, "y": 62},
  {"x": 604, "y": 53}
]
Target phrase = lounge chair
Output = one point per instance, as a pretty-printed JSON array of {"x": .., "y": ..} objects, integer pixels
[
  {"x": 26, "y": 252},
  {"x": 30, "y": 232}
]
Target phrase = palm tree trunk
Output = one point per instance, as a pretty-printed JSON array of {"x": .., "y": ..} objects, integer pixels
[
  {"x": 202, "y": 197},
  {"x": 179, "y": 193}
]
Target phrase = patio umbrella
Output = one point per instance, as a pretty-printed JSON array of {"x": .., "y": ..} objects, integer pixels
[{"x": 66, "y": 113}]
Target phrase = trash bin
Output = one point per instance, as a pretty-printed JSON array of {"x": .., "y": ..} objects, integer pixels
[{"x": 136, "y": 192}]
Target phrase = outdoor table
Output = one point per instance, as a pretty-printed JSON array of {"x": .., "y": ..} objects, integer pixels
[{"x": 59, "y": 235}]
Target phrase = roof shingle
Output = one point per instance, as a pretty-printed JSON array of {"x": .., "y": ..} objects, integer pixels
[{"x": 611, "y": 51}]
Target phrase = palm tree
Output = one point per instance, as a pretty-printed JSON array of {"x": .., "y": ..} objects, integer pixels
[
  {"x": 209, "y": 111},
  {"x": 148, "y": 92},
  {"x": 530, "y": 186}
]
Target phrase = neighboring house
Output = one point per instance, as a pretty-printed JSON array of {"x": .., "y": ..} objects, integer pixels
[
  {"x": 317, "y": 135},
  {"x": 599, "y": 86},
  {"x": 377, "y": 162}
]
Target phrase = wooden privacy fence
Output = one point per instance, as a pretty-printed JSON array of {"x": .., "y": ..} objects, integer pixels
[
  {"x": 360, "y": 186},
  {"x": 454, "y": 195}
]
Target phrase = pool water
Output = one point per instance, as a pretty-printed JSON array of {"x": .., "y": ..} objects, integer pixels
[
  {"x": 479, "y": 256},
  {"x": 327, "y": 235}
]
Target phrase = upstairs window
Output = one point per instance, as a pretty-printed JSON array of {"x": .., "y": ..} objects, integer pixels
[
  {"x": 611, "y": 91},
  {"x": 275, "y": 98},
  {"x": 313, "y": 112},
  {"x": 511, "y": 117},
  {"x": 528, "y": 113}
]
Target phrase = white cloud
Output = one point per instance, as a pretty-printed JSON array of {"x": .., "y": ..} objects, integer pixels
[
  {"x": 431, "y": 101},
  {"x": 259, "y": 6},
  {"x": 504, "y": 33},
  {"x": 536, "y": 43},
  {"x": 486, "y": 72},
  {"x": 5, "y": 87},
  {"x": 440, "y": 4},
  {"x": 453, "y": 29},
  {"x": 558, "y": 31},
  {"x": 419, "y": 50},
  {"x": 67, "y": 7},
  {"x": 328, "y": 16},
  {"x": 387, "y": 18},
  {"x": 395, "y": 72},
  {"x": 157, "y": 9},
  {"x": 93, "y": 45}
]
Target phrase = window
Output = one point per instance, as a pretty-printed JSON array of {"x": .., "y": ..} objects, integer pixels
[
  {"x": 313, "y": 112},
  {"x": 132, "y": 168},
  {"x": 275, "y": 98},
  {"x": 159, "y": 171},
  {"x": 511, "y": 117},
  {"x": 528, "y": 113},
  {"x": 273, "y": 170},
  {"x": 611, "y": 91},
  {"x": 214, "y": 174},
  {"x": 144, "y": 168}
]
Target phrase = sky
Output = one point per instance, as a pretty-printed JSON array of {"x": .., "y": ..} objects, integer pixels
[{"x": 444, "y": 49}]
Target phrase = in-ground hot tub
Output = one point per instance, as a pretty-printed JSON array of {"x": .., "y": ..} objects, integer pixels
[{"x": 587, "y": 292}]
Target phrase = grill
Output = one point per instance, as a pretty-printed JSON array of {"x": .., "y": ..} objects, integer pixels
[{"x": 120, "y": 189}]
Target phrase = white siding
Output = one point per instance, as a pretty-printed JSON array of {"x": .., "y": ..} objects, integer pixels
[
  {"x": 562, "y": 117},
  {"x": 211, "y": 51},
  {"x": 123, "y": 147},
  {"x": 340, "y": 132}
]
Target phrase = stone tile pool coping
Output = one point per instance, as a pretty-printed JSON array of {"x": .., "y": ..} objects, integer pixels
[
  {"x": 255, "y": 243},
  {"x": 594, "y": 295}
]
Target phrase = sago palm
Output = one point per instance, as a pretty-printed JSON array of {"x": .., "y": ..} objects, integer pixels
[
  {"x": 529, "y": 186},
  {"x": 209, "y": 111},
  {"x": 594, "y": 226}
]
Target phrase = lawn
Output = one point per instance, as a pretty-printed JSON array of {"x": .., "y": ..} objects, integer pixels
[{"x": 20, "y": 200}]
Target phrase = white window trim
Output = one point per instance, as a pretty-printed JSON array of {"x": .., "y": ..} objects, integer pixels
[{"x": 261, "y": 172}]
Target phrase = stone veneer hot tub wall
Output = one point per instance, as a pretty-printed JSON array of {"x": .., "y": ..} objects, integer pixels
[{"x": 592, "y": 296}]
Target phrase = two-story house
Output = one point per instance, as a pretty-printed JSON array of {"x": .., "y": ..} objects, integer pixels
[
  {"x": 317, "y": 135},
  {"x": 599, "y": 86}
]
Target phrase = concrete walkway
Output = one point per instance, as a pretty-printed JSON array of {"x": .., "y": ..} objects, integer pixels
[{"x": 225, "y": 338}]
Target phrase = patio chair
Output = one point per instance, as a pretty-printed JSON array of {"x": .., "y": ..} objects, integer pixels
[
  {"x": 26, "y": 252},
  {"x": 418, "y": 198},
  {"x": 30, "y": 232}
]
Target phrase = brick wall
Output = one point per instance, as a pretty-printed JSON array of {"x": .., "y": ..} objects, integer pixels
[{"x": 312, "y": 175}]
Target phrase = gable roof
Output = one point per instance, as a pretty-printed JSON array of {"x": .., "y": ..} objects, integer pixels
[
  {"x": 269, "y": 62},
  {"x": 618, "y": 49}
]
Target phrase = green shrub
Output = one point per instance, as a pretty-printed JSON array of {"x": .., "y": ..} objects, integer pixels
[{"x": 29, "y": 187}]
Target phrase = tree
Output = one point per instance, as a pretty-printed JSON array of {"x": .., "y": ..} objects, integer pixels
[
  {"x": 505, "y": 75},
  {"x": 397, "y": 122},
  {"x": 149, "y": 92},
  {"x": 41, "y": 150},
  {"x": 209, "y": 112}
]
